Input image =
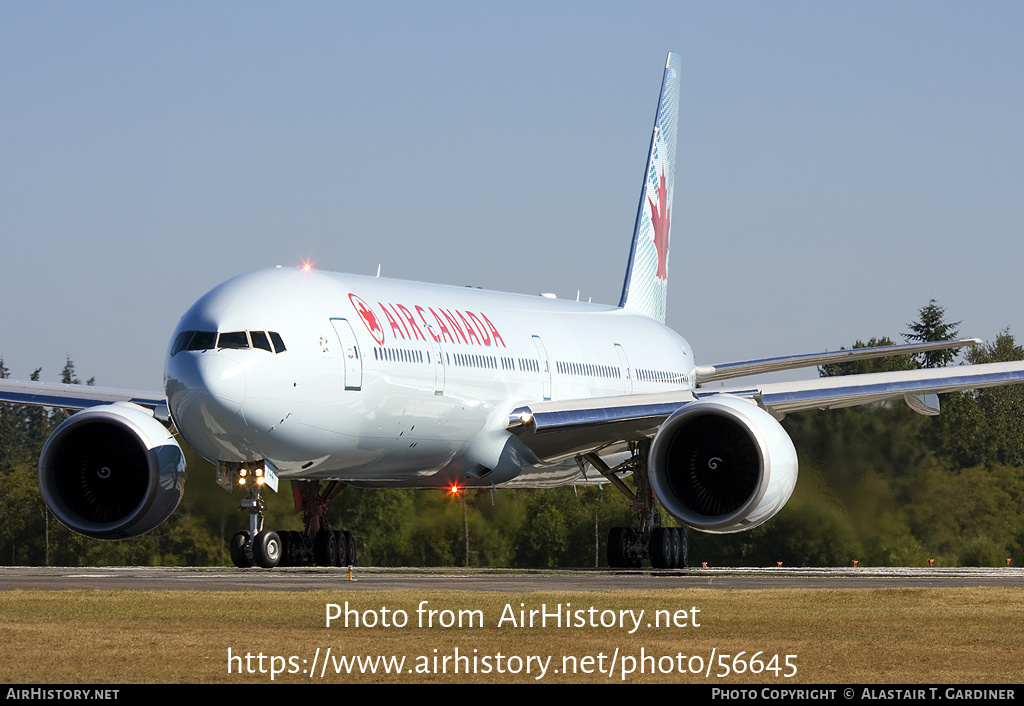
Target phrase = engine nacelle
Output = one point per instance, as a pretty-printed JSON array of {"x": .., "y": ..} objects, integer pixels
[
  {"x": 722, "y": 465},
  {"x": 112, "y": 472}
]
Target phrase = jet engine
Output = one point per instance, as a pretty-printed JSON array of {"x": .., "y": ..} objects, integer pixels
[
  {"x": 112, "y": 472},
  {"x": 722, "y": 465}
]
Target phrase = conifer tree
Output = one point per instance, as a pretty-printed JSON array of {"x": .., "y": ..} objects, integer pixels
[{"x": 932, "y": 326}]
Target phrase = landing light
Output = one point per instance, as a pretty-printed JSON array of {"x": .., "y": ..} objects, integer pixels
[{"x": 307, "y": 266}]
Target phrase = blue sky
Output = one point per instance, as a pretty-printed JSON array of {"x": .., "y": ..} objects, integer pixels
[{"x": 839, "y": 164}]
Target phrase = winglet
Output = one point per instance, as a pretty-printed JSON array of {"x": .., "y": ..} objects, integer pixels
[{"x": 646, "y": 285}]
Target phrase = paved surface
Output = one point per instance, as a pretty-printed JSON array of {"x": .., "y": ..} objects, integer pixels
[{"x": 371, "y": 578}]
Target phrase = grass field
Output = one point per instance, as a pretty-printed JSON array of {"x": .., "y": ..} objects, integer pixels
[{"x": 840, "y": 636}]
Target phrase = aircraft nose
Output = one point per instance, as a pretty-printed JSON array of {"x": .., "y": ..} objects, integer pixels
[
  {"x": 205, "y": 387},
  {"x": 224, "y": 380}
]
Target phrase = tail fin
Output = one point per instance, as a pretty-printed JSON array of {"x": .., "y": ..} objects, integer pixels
[{"x": 646, "y": 287}]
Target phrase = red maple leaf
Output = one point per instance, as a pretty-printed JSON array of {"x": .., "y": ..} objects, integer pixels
[
  {"x": 368, "y": 317},
  {"x": 660, "y": 218}
]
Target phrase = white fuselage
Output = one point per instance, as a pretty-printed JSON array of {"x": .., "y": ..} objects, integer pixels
[{"x": 384, "y": 382}]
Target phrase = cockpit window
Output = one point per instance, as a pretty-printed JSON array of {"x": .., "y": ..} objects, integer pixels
[
  {"x": 269, "y": 341},
  {"x": 234, "y": 339},
  {"x": 278, "y": 342},
  {"x": 260, "y": 340},
  {"x": 181, "y": 341},
  {"x": 202, "y": 341}
]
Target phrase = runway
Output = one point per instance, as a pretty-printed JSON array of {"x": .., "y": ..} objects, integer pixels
[{"x": 502, "y": 580}]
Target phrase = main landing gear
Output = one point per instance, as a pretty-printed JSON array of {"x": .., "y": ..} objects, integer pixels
[
  {"x": 666, "y": 547},
  {"x": 316, "y": 544}
]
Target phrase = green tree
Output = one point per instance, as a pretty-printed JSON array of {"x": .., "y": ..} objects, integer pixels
[
  {"x": 932, "y": 326},
  {"x": 545, "y": 537},
  {"x": 36, "y": 424},
  {"x": 984, "y": 427},
  {"x": 23, "y": 531},
  {"x": 969, "y": 517},
  {"x": 11, "y": 443},
  {"x": 381, "y": 520},
  {"x": 871, "y": 365}
]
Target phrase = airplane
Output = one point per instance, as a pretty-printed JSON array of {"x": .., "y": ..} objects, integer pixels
[{"x": 326, "y": 379}]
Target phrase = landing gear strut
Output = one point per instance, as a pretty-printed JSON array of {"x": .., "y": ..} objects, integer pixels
[
  {"x": 666, "y": 547},
  {"x": 315, "y": 544},
  {"x": 255, "y": 546}
]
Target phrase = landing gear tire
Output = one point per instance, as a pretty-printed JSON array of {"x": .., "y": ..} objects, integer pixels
[
  {"x": 684, "y": 548},
  {"x": 678, "y": 547},
  {"x": 661, "y": 548},
  {"x": 297, "y": 556},
  {"x": 668, "y": 548},
  {"x": 325, "y": 551},
  {"x": 341, "y": 549},
  {"x": 633, "y": 560},
  {"x": 624, "y": 551},
  {"x": 287, "y": 548},
  {"x": 239, "y": 556},
  {"x": 617, "y": 547},
  {"x": 267, "y": 549},
  {"x": 350, "y": 547}
]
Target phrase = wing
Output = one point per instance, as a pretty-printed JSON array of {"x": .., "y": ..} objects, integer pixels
[
  {"x": 553, "y": 430},
  {"x": 79, "y": 396},
  {"x": 724, "y": 371}
]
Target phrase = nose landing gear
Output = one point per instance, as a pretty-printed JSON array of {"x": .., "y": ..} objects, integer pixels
[{"x": 316, "y": 544}]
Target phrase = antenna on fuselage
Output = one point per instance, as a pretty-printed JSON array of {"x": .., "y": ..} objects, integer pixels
[{"x": 378, "y": 269}]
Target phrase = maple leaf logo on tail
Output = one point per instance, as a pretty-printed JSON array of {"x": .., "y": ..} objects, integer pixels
[
  {"x": 660, "y": 220},
  {"x": 645, "y": 287}
]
